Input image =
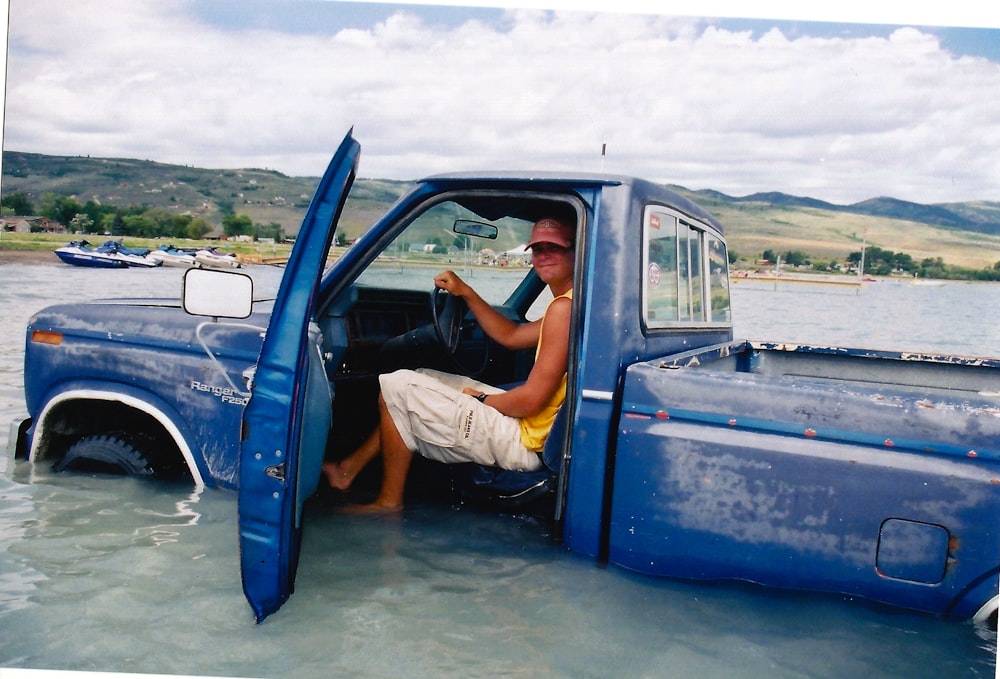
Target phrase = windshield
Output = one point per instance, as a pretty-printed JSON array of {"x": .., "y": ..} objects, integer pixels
[{"x": 431, "y": 243}]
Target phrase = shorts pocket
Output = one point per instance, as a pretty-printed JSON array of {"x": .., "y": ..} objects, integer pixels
[{"x": 436, "y": 417}]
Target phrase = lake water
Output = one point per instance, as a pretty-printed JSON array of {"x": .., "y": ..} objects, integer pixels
[{"x": 121, "y": 575}]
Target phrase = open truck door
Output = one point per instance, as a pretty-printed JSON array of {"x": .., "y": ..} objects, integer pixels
[{"x": 287, "y": 419}]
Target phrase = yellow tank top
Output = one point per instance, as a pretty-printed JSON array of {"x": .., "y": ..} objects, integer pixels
[{"x": 535, "y": 429}]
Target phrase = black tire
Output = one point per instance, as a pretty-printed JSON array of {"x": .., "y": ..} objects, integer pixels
[{"x": 113, "y": 453}]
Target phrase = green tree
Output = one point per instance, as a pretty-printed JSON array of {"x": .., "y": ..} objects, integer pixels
[
  {"x": 877, "y": 261},
  {"x": 932, "y": 267},
  {"x": 59, "y": 208},
  {"x": 140, "y": 226},
  {"x": 113, "y": 223},
  {"x": 178, "y": 226},
  {"x": 272, "y": 230},
  {"x": 18, "y": 203},
  {"x": 81, "y": 223},
  {"x": 904, "y": 262},
  {"x": 166, "y": 223},
  {"x": 237, "y": 225},
  {"x": 197, "y": 228},
  {"x": 795, "y": 258},
  {"x": 96, "y": 212}
]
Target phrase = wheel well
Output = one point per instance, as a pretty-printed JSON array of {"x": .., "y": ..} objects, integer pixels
[
  {"x": 987, "y": 614},
  {"x": 69, "y": 421}
]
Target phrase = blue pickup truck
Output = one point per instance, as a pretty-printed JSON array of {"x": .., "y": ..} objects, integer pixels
[{"x": 679, "y": 452}]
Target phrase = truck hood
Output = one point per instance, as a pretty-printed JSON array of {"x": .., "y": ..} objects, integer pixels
[{"x": 149, "y": 321}]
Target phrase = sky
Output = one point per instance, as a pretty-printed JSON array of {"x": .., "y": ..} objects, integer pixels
[{"x": 843, "y": 105}]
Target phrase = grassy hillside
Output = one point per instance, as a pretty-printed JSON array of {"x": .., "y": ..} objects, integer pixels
[
  {"x": 266, "y": 196},
  {"x": 752, "y": 228},
  {"x": 966, "y": 234}
]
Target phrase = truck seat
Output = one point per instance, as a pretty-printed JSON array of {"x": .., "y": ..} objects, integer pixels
[{"x": 508, "y": 489}]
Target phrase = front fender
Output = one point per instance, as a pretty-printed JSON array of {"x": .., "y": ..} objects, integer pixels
[{"x": 147, "y": 403}]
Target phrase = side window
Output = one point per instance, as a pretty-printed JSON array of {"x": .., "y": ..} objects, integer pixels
[
  {"x": 686, "y": 271},
  {"x": 718, "y": 284},
  {"x": 690, "y": 280}
]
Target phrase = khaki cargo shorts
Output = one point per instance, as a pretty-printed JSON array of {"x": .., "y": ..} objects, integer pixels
[{"x": 438, "y": 421}]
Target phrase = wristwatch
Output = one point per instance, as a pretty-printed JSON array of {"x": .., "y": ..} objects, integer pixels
[{"x": 482, "y": 397}]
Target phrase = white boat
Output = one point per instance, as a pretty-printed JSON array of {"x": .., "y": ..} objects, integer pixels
[
  {"x": 79, "y": 253},
  {"x": 168, "y": 255},
  {"x": 110, "y": 255},
  {"x": 210, "y": 257},
  {"x": 137, "y": 258}
]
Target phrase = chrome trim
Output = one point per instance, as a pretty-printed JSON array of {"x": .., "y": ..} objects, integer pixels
[{"x": 986, "y": 610}]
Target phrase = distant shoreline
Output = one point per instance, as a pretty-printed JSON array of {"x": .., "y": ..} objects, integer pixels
[
  {"x": 28, "y": 257},
  {"x": 48, "y": 257}
]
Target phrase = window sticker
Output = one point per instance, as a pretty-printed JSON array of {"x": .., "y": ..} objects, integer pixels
[{"x": 654, "y": 275}]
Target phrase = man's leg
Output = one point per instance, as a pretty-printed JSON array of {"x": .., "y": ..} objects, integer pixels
[{"x": 396, "y": 458}]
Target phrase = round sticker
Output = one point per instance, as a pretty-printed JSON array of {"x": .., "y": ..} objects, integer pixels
[{"x": 654, "y": 275}]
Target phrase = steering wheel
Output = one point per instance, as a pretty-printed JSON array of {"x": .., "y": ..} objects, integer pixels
[{"x": 448, "y": 311}]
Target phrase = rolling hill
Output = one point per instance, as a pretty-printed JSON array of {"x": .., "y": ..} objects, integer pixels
[{"x": 964, "y": 234}]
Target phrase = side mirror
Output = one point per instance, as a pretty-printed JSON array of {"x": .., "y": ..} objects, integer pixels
[{"x": 219, "y": 294}]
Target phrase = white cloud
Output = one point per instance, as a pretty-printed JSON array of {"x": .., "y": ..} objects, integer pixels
[{"x": 676, "y": 101}]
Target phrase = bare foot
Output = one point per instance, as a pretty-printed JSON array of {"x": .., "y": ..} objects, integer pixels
[
  {"x": 337, "y": 477},
  {"x": 373, "y": 509}
]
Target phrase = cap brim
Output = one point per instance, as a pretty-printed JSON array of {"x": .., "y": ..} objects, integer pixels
[{"x": 562, "y": 242}]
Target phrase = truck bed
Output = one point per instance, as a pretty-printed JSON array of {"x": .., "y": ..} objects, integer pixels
[
  {"x": 868, "y": 473},
  {"x": 925, "y": 402},
  {"x": 935, "y": 373}
]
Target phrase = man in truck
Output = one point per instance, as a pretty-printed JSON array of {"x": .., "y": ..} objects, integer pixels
[{"x": 452, "y": 418}]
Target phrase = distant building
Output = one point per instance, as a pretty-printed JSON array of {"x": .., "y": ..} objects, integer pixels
[{"x": 30, "y": 225}]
